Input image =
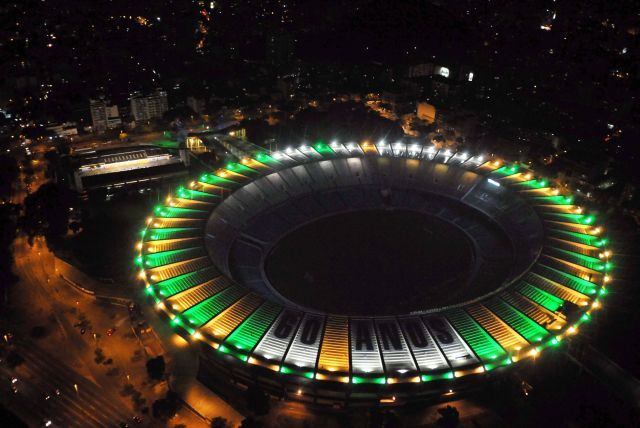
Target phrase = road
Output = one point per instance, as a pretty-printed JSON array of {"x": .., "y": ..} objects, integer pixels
[{"x": 41, "y": 374}]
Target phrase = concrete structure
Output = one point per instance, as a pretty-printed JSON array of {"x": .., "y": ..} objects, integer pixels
[
  {"x": 148, "y": 107},
  {"x": 217, "y": 295},
  {"x": 104, "y": 115},
  {"x": 124, "y": 166}
]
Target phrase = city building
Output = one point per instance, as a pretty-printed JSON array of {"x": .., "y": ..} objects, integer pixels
[
  {"x": 66, "y": 129},
  {"x": 149, "y": 107},
  {"x": 196, "y": 104},
  {"x": 104, "y": 115}
]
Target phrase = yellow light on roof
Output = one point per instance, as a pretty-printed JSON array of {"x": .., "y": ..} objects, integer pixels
[
  {"x": 572, "y": 330},
  {"x": 142, "y": 275},
  {"x": 139, "y": 245}
]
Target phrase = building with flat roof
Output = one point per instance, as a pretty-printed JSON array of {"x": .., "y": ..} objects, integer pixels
[
  {"x": 124, "y": 166},
  {"x": 104, "y": 115},
  {"x": 148, "y": 107}
]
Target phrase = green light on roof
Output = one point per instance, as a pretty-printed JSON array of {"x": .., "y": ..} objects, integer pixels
[
  {"x": 589, "y": 219},
  {"x": 143, "y": 232},
  {"x": 449, "y": 375},
  {"x": 542, "y": 183},
  {"x": 585, "y": 317},
  {"x": 285, "y": 370},
  {"x": 555, "y": 341},
  {"x": 493, "y": 357},
  {"x": 568, "y": 199},
  {"x": 138, "y": 260},
  {"x": 603, "y": 291},
  {"x": 380, "y": 380},
  {"x": 309, "y": 375},
  {"x": 261, "y": 156},
  {"x": 507, "y": 362},
  {"x": 149, "y": 290},
  {"x": 176, "y": 321},
  {"x": 223, "y": 349},
  {"x": 356, "y": 380},
  {"x": 426, "y": 378}
]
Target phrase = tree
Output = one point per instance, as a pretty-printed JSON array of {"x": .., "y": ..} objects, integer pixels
[
  {"x": 8, "y": 175},
  {"x": 166, "y": 408},
  {"x": 156, "y": 367},
  {"x": 47, "y": 212},
  {"x": 219, "y": 422},
  {"x": 251, "y": 422},
  {"x": 449, "y": 417},
  {"x": 75, "y": 226}
]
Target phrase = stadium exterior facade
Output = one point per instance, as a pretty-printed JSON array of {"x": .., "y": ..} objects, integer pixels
[{"x": 202, "y": 256}]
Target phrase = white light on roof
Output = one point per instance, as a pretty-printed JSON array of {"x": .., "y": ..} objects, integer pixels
[
  {"x": 480, "y": 158},
  {"x": 494, "y": 182},
  {"x": 447, "y": 153},
  {"x": 277, "y": 155},
  {"x": 402, "y": 371},
  {"x": 465, "y": 155},
  {"x": 289, "y": 150},
  {"x": 382, "y": 142},
  {"x": 334, "y": 144},
  {"x": 351, "y": 146},
  {"x": 431, "y": 149}
]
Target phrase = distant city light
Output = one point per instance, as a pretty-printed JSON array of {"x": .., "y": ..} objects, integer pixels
[
  {"x": 470, "y": 76},
  {"x": 443, "y": 71}
]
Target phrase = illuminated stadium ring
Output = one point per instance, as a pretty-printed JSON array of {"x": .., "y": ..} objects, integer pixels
[{"x": 216, "y": 292}]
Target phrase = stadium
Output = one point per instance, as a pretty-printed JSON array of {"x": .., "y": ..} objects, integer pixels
[{"x": 361, "y": 273}]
